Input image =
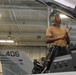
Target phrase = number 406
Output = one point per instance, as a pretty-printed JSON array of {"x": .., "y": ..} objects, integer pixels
[{"x": 12, "y": 53}]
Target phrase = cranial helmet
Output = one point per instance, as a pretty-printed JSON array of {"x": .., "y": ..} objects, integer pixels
[{"x": 52, "y": 16}]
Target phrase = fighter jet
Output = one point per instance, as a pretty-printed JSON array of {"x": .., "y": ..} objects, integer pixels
[{"x": 18, "y": 63}]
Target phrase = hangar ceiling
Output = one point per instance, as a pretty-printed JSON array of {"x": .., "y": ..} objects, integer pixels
[{"x": 25, "y": 22}]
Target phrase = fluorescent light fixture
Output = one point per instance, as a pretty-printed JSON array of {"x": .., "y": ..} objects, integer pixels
[
  {"x": 6, "y": 41},
  {"x": 16, "y": 43},
  {"x": 0, "y": 15},
  {"x": 66, "y": 3},
  {"x": 63, "y": 16}
]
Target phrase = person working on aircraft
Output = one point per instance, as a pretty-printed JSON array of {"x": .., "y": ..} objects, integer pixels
[{"x": 58, "y": 37}]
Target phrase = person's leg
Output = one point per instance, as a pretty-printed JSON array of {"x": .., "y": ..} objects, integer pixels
[{"x": 62, "y": 51}]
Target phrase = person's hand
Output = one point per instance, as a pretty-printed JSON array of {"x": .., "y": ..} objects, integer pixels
[
  {"x": 68, "y": 28},
  {"x": 62, "y": 37}
]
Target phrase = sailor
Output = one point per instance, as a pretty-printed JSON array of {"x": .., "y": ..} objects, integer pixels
[{"x": 58, "y": 39}]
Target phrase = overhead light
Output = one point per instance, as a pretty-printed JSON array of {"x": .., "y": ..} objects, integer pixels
[
  {"x": 16, "y": 43},
  {"x": 6, "y": 41},
  {"x": 0, "y": 15},
  {"x": 63, "y": 16},
  {"x": 9, "y": 35}
]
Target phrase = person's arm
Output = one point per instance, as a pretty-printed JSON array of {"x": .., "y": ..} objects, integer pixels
[
  {"x": 50, "y": 39},
  {"x": 67, "y": 38}
]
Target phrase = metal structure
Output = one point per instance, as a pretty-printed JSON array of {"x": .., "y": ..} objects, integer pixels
[
  {"x": 60, "y": 7},
  {"x": 15, "y": 63},
  {"x": 65, "y": 63},
  {"x": 26, "y": 20},
  {"x": 18, "y": 63}
]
